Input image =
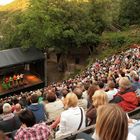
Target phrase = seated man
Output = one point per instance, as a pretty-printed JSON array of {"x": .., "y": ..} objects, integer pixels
[
  {"x": 126, "y": 97},
  {"x": 37, "y": 109},
  {"x": 10, "y": 122},
  {"x": 81, "y": 102},
  {"x": 29, "y": 130}
]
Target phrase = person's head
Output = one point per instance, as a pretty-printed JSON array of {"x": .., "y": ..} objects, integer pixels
[
  {"x": 80, "y": 85},
  {"x": 111, "y": 85},
  {"x": 101, "y": 85},
  {"x": 18, "y": 107},
  {"x": 111, "y": 123},
  {"x": 78, "y": 92},
  {"x": 34, "y": 98},
  {"x": 64, "y": 92},
  {"x": 99, "y": 98},
  {"x": 124, "y": 83},
  {"x": 136, "y": 78},
  {"x": 27, "y": 117},
  {"x": 7, "y": 108},
  {"x": 51, "y": 96},
  {"x": 71, "y": 100},
  {"x": 133, "y": 74},
  {"x": 92, "y": 89}
]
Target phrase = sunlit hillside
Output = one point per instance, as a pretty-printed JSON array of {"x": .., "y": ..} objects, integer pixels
[{"x": 15, "y": 5}]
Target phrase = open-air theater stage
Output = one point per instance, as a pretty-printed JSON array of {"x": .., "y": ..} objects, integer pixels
[{"x": 21, "y": 70}]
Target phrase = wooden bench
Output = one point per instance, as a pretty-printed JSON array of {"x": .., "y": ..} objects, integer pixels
[{"x": 68, "y": 136}]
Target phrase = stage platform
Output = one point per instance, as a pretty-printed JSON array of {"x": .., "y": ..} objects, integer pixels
[{"x": 31, "y": 82}]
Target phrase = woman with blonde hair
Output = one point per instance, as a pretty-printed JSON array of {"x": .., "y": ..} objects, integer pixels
[
  {"x": 99, "y": 98},
  {"x": 111, "y": 123},
  {"x": 73, "y": 118}
]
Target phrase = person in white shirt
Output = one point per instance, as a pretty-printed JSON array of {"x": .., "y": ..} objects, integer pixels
[
  {"x": 73, "y": 118},
  {"x": 112, "y": 90}
]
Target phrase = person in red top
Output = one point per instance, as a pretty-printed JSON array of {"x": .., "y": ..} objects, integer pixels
[{"x": 126, "y": 97}]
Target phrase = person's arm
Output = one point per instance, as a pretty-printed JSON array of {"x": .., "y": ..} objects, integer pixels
[{"x": 55, "y": 123}]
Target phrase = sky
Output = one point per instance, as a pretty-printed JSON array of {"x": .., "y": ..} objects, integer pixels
[{"x": 4, "y": 2}]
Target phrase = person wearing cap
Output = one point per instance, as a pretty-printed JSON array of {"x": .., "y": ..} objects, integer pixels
[{"x": 126, "y": 97}]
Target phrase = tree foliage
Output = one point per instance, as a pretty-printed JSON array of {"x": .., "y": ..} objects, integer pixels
[
  {"x": 129, "y": 13},
  {"x": 60, "y": 24}
]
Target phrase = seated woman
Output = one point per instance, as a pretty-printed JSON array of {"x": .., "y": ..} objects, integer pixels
[
  {"x": 112, "y": 124},
  {"x": 73, "y": 118},
  {"x": 99, "y": 98},
  {"x": 29, "y": 130}
]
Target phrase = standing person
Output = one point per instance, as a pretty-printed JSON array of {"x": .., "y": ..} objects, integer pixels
[{"x": 73, "y": 118}]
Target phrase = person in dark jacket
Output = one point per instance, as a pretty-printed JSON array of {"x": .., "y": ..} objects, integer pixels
[
  {"x": 126, "y": 97},
  {"x": 37, "y": 109},
  {"x": 136, "y": 83}
]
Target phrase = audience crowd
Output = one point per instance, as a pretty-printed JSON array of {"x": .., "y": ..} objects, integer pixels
[{"x": 103, "y": 94}]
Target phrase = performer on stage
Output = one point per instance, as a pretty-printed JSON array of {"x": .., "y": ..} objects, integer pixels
[
  {"x": 18, "y": 79},
  {"x": 15, "y": 80},
  {"x": 11, "y": 81},
  {"x": 22, "y": 78}
]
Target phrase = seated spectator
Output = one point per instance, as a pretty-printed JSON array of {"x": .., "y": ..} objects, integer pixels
[
  {"x": 10, "y": 121},
  {"x": 126, "y": 97},
  {"x": 29, "y": 130},
  {"x": 136, "y": 82},
  {"x": 72, "y": 119},
  {"x": 54, "y": 106},
  {"x": 23, "y": 101},
  {"x": 37, "y": 109},
  {"x": 112, "y": 124},
  {"x": 85, "y": 94},
  {"x": 99, "y": 98},
  {"x": 81, "y": 102},
  {"x": 111, "y": 90},
  {"x": 17, "y": 109},
  {"x": 90, "y": 92}
]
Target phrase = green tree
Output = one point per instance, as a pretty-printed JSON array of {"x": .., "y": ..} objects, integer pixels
[
  {"x": 60, "y": 24},
  {"x": 129, "y": 12}
]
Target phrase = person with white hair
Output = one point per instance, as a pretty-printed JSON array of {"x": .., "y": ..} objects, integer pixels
[
  {"x": 126, "y": 97},
  {"x": 7, "y": 111},
  {"x": 10, "y": 122}
]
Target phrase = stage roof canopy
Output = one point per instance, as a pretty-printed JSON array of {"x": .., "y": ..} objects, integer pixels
[{"x": 17, "y": 56}]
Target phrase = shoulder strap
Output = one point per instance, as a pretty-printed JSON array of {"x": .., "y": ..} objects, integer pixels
[{"x": 81, "y": 119}]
